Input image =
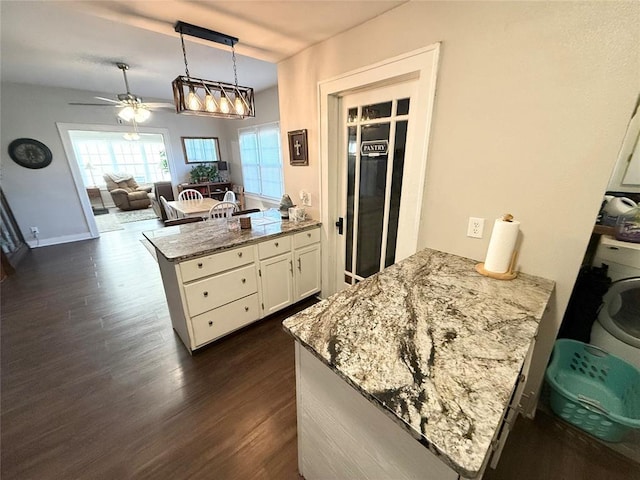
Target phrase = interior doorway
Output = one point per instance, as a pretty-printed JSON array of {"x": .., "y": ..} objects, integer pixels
[
  {"x": 342, "y": 100},
  {"x": 96, "y": 150}
]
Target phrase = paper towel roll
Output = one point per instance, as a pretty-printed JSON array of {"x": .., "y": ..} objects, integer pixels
[{"x": 501, "y": 245}]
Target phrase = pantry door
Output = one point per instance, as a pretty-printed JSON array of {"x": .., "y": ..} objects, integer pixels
[
  {"x": 377, "y": 141},
  {"x": 374, "y": 135}
]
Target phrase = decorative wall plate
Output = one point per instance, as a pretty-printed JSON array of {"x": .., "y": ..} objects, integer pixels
[{"x": 30, "y": 153}]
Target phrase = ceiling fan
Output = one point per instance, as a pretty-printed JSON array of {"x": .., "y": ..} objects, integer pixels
[{"x": 132, "y": 108}]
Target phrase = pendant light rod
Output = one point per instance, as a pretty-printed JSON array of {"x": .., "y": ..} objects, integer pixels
[{"x": 204, "y": 33}]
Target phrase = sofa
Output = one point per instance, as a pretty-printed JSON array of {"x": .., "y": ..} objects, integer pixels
[
  {"x": 126, "y": 193},
  {"x": 164, "y": 189}
]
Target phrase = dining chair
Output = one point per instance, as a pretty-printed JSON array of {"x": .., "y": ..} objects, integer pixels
[
  {"x": 229, "y": 196},
  {"x": 245, "y": 212},
  {"x": 190, "y": 194},
  {"x": 171, "y": 213},
  {"x": 182, "y": 221},
  {"x": 222, "y": 210}
]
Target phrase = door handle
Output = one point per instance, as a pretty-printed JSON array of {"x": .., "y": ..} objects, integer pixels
[{"x": 340, "y": 224}]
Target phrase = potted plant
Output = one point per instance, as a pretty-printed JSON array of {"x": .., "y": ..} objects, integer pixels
[{"x": 203, "y": 173}]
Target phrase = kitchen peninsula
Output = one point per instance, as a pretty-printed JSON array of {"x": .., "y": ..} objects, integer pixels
[
  {"x": 415, "y": 372},
  {"x": 218, "y": 279}
]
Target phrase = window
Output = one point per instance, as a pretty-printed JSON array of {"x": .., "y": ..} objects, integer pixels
[
  {"x": 261, "y": 160},
  {"x": 104, "y": 152}
]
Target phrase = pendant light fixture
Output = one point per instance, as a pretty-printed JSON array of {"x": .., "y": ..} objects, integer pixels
[{"x": 196, "y": 96}]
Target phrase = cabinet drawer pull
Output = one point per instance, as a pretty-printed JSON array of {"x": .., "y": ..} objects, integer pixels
[
  {"x": 239, "y": 254},
  {"x": 206, "y": 294},
  {"x": 244, "y": 280},
  {"x": 210, "y": 323},
  {"x": 309, "y": 235},
  {"x": 200, "y": 265},
  {"x": 276, "y": 244},
  {"x": 246, "y": 309}
]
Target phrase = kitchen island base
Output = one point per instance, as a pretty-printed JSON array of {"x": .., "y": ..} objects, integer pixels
[{"x": 342, "y": 435}]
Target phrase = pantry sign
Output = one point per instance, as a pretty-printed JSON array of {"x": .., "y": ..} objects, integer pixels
[{"x": 374, "y": 148}]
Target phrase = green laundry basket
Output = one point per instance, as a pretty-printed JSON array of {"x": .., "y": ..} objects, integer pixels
[{"x": 594, "y": 390}]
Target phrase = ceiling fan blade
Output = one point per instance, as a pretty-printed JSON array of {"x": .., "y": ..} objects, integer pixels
[
  {"x": 108, "y": 100},
  {"x": 159, "y": 105},
  {"x": 93, "y": 104}
]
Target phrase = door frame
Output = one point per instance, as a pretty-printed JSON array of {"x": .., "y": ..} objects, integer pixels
[
  {"x": 422, "y": 65},
  {"x": 67, "y": 144}
]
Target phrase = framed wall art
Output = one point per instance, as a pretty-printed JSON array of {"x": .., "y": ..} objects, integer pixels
[{"x": 298, "y": 152}]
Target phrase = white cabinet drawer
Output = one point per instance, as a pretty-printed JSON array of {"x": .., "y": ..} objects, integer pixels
[
  {"x": 219, "y": 262},
  {"x": 308, "y": 237},
  {"x": 216, "y": 323},
  {"x": 274, "y": 247},
  {"x": 215, "y": 291}
]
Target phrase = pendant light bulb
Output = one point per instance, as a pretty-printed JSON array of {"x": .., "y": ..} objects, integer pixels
[
  {"x": 239, "y": 105},
  {"x": 193, "y": 102},
  {"x": 210, "y": 103},
  {"x": 225, "y": 107}
]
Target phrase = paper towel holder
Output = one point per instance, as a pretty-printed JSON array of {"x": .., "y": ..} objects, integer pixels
[{"x": 508, "y": 275}]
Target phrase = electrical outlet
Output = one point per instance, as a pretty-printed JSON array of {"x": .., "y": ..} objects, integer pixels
[
  {"x": 475, "y": 227},
  {"x": 35, "y": 232}
]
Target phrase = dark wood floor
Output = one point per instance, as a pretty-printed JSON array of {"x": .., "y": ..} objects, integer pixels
[{"x": 96, "y": 385}]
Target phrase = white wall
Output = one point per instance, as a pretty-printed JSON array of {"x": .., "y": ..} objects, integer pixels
[
  {"x": 267, "y": 111},
  {"x": 531, "y": 107},
  {"x": 47, "y": 198}
]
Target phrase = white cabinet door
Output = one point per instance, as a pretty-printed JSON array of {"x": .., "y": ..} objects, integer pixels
[
  {"x": 307, "y": 271},
  {"x": 277, "y": 283}
]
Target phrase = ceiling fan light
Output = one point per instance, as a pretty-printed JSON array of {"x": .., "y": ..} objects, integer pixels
[
  {"x": 141, "y": 114},
  {"x": 127, "y": 113},
  {"x": 131, "y": 136}
]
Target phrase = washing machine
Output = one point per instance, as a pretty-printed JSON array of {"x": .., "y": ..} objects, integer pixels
[{"x": 617, "y": 328}]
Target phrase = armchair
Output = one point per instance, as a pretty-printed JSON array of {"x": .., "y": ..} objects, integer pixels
[{"x": 126, "y": 193}]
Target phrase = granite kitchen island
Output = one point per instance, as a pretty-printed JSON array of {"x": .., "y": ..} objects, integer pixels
[
  {"x": 219, "y": 279},
  {"x": 415, "y": 372}
]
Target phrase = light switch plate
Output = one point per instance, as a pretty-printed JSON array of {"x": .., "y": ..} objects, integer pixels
[{"x": 305, "y": 198}]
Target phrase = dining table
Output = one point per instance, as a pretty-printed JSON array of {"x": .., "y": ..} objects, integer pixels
[{"x": 193, "y": 208}]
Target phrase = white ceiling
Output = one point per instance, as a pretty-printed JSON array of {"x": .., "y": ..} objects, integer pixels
[{"x": 75, "y": 44}]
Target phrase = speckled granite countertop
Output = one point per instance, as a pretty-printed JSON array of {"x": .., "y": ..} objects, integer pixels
[
  {"x": 191, "y": 240},
  {"x": 435, "y": 345}
]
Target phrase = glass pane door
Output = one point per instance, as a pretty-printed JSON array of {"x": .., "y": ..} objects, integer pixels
[{"x": 376, "y": 136}]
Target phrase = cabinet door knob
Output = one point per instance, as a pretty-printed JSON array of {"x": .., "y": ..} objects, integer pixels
[
  {"x": 244, "y": 280},
  {"x": 199, "y": 265},
  {"x": 206, "y": 294},
  {"x": 276, "y": 244},
  {"x": 239, "y": 254},
  {"x": 246, "y": 309},
  {"x": 210, "y": 323}
]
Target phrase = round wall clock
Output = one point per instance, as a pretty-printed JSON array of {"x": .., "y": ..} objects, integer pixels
[{"x": 30, "y": 153}]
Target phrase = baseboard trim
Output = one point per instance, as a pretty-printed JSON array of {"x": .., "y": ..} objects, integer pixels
[{"x": 46, "y": 242}]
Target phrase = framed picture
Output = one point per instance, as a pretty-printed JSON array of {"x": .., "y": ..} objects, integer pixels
[
  {"x": 200, "y": 149},
  {"x": 298, "y": 154}
]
